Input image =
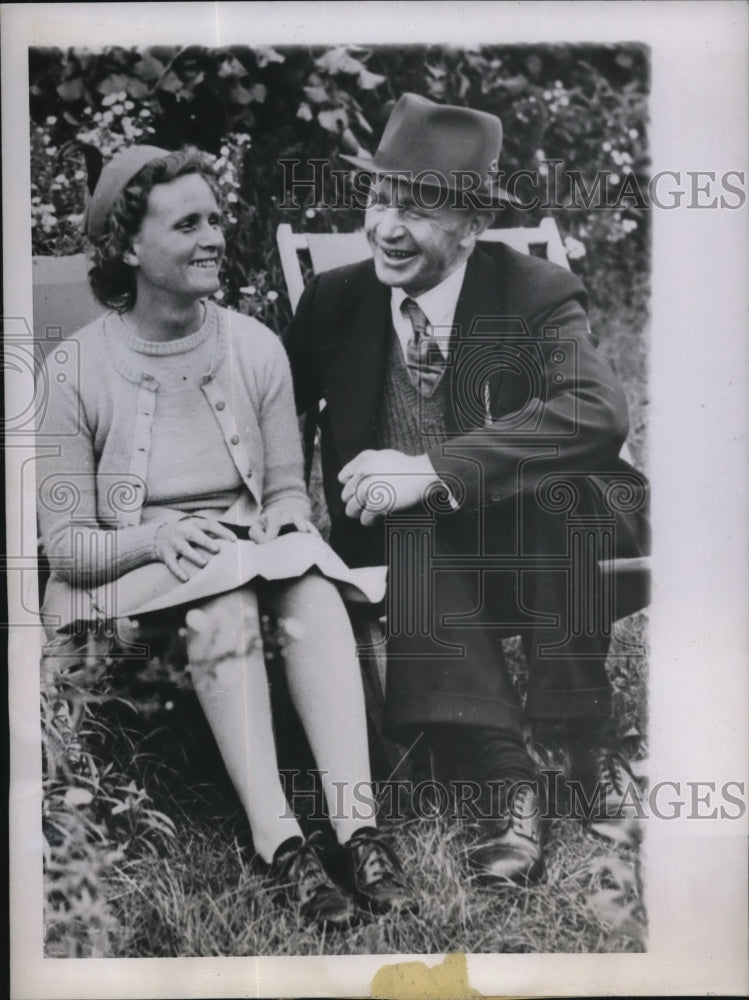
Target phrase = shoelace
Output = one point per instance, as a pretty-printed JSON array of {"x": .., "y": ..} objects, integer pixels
[
  {"x": 521, "y": 815},
  {"x": 372, "y": 857},
  {"x": 303, "y": 866}
]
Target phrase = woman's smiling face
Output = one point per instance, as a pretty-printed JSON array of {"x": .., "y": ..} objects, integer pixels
[{"x": 180, "y": 245}]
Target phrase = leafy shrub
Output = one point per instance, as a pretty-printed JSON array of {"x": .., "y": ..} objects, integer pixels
[{"x": 585, "y": 106}]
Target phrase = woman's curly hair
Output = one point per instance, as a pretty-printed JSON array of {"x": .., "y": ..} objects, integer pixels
[{"x": 112, "y": 280}]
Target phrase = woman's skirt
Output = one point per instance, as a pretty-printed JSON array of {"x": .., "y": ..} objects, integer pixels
[{"x": 154, "y": 587}]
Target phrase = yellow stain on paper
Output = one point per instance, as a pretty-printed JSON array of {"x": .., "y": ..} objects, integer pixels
[{"x": 416, "y": 981}]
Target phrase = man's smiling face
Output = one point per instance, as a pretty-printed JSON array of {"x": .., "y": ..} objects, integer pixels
[{"x": 415, "y": 247}]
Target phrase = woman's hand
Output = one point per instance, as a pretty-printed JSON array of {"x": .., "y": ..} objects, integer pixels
[
  {"x": 270, "y": 522},
  {"x": 189, "y": 538}
]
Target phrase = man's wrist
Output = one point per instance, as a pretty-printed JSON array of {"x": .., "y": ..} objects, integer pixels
[{"x": 427, "y": 469}]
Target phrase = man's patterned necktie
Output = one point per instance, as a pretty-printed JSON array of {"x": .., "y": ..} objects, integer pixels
[{"x": 424, "y": 359}]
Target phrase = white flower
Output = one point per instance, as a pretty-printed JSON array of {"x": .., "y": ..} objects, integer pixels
[
  {"x": 540, "y": 154},
  {"x": 547, "y": 95},
  {"x": 574, "y": 248},
  {"x": 78, "y": 797},
  {"x": 272, "y": 296},
  {"x": 231, "y": 197},
  {"x": 129, "y": 105},
  {"x": 219, "y": 295},
  {"x": 225, "y": 150},
  {"x": 117, "y": 109},
  {"x": 310, "y": 213},
  {"x": 60, "y": 179},
  {"x": 51, "y": 120},
  {"x": 633, "y": 133},
  {"x": 629, "y": 225},
  {"x": 614, "y": 178},
  {"x": 144, "y": 113},
  {"x": 79, "y": 175},
  {"x": 606, "y": 147},
  {"x": 248, "y": 290},
  {"x": 109, "y": 99}
]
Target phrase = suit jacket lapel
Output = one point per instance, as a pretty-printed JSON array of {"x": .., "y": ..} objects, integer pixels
[
  {"x": 481, "y": 298},
  {"x": 354, "y": 355}
]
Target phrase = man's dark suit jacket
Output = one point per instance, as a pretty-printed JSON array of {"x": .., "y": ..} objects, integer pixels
[
  {"x": 520, "y": 330},
  {"x": 532, "y": 403}
]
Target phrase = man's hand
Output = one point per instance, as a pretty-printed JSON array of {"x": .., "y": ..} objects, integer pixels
[
  {"x": 191, "y": 538},
  {"x": 378, "y": 482}
]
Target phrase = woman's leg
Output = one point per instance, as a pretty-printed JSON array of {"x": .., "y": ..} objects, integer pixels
[
  {"x": 225, "y": 654},
  {"x": 324, "y": 682}
]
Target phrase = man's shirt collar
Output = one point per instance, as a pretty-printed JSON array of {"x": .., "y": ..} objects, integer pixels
[{"x": 438, "y": 305}]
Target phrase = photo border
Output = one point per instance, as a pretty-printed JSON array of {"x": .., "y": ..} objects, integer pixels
[{"x": 696, "y": 869}]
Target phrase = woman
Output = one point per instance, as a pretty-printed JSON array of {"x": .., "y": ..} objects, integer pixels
[{"x": 176, "y": 482}]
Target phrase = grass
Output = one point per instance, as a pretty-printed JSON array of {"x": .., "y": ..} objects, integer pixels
[{"x": 199, "y": 892}]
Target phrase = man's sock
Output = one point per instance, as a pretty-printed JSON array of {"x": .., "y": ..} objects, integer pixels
[{"x": 481, "y": 753}]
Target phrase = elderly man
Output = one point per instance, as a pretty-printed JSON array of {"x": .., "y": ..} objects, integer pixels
[{"x": 470, "y": 437}]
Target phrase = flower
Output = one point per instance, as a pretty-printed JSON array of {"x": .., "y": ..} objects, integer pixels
[
  {"x": 78, "y": 797},
  {"x": 272, "y": 296},
  {"x": 310, "y": 213},
  {"x": 248, "y": 290},
  {"x": 614, "y": 178},
  {"x": 629, "y": 225},
  {"x": 606, "y": 147},
  {"x": 51, "y": 119},
  {"x": 231, "y": 196},
  {"x": 574, "y": 248},
  {"x": 633, "y": 133}
]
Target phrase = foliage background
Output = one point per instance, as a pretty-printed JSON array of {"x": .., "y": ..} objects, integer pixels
[
  {"x": 117, "y": 744},
  {"x": 584, "y": 105}
]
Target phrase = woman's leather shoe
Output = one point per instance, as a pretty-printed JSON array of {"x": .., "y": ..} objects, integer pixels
[
  {"x": 374, "y": 874},
  {"x": 297, "y": 869}
]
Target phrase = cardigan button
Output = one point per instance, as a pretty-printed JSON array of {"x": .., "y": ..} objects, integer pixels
[
  {"x": 234, "y": 439},
  {"x": 221, "y": 405}
]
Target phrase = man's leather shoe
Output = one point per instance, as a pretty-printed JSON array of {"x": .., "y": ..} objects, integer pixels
[
  {"x": 511, "y": 851},
  {"x": 297, "y": 869},
  {"x": 374, "y": 874}
]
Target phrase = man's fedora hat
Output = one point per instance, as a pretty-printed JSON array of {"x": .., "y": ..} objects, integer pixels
[{"x": 441, "y": 145}]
